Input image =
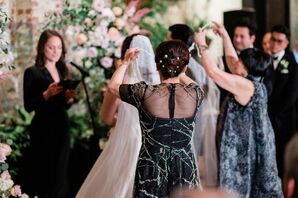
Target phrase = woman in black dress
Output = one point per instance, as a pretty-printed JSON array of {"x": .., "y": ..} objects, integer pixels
[
  {"x": 49, "y": 130},
  {"x": 167, "y": 110}
]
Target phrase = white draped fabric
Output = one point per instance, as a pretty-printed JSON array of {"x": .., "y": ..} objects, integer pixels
[{"x": 112, "y": 175}]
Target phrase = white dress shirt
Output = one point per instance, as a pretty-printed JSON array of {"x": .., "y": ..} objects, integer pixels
[{"x": 279, "y": 56}]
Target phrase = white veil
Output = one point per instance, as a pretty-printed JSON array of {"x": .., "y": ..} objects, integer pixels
[
  {"x": 205, "y": 125},
  {"x": 144, "y": 67},
  {"x": 113, "y": 173}
]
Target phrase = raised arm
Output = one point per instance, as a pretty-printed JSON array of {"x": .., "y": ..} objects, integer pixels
[
  {"x": 108, "y": 109},
  {"x": 229, "y": 50},
  {"x": 240, "y": 87},
  {"x": 118, "y": 76}
]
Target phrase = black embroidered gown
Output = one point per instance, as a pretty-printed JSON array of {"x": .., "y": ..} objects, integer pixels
[{"x": 166, "y": 160}]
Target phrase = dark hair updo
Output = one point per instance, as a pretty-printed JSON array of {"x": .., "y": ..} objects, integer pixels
[
  {"x": 171, "y": 57},
  {"x": 257, "y": 62}
]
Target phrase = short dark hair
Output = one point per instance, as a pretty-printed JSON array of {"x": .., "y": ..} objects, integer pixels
[
  {"x": 182, "y": 32},
  {"x": 256, "y": 61},
  {"x": 281, "y": 29},
  {"x": 248, "y": 23},
  {"x": 40, "y": 57},
  {"x": 171, "y": 57},
  {"x": 126, "y": 44}
]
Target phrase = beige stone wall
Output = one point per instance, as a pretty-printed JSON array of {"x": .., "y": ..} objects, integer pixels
[{"x": 294, "y": 20}]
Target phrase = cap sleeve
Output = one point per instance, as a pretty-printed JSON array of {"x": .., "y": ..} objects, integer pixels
[{"x": 132, "y": 93}]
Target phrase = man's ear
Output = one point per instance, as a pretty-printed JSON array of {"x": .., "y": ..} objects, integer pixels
[
  {"x": 290, "y": 188},
  {"x": 253, "y": 38}
]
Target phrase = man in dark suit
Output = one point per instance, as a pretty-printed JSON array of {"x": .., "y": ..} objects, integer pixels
[{"x": 281, "y": 103}]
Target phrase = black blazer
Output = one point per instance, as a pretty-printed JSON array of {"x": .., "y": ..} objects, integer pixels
[
  {"x": 36, "y": 81},
  {"x": 281, "y": 103}
]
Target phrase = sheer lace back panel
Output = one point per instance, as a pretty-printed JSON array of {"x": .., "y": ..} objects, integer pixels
[{"x": 172, "y": 100}]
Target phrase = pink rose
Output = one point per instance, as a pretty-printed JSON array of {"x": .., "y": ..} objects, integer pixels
[
  {"x": 16, "y": 191},
  {"x": 119, "y": 23},
  {"x": 92, "y": 52},
  {"x": 106, "y": 62},
  {"x": 5, "y": 175},
  {"x": 6, "y": 148},
  {"x": 113, "y": 34},
  {"x": 117, "y": 11},
  {"x": 81, "y": 39}
]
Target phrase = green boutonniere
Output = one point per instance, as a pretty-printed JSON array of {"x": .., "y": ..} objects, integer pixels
[{"x": 283, "y": 66}]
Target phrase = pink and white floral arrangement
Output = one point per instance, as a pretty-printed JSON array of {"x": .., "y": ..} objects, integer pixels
[
  {"x": 7, "y": 187},
  {"x": 98, "y": 40}
]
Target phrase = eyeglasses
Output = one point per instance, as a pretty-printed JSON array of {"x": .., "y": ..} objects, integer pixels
[{"x": 279, "y": 41}]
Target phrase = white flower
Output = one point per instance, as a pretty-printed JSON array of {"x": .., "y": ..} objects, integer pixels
[
  {"x": 5, "y": 184},
  {"x": 117, "y": 52},
  {"x": 88, "y": 63},
  {"x": 92, "y": 13},
  {"x": 107, "y": 13},
  {"x": 88, "y": 22},
  {"x": 283, "y": 66},
  {"x": 106, "y": 62},
  {"x": 92, "y": 52},
  {"x": 98, "y": 5},
  {"x": 117, "y": 11}
]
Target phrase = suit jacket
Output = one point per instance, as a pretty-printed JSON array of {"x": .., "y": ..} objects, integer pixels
[{"x": 281, "y": 104}]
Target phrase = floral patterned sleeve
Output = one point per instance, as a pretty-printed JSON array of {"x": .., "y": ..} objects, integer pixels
[{"x": 132, "y": 93}]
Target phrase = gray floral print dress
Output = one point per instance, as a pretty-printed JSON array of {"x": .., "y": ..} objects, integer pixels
[{"x": 247, "y": 161}]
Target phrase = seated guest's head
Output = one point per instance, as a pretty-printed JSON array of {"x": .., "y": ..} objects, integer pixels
[{"x": 291, "y": 169}]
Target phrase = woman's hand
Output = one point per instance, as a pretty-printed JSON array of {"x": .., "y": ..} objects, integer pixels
[
  {"x": 219, "y": 29},
  {"x": 52, "y": 90},
  {"x": 200, "y": 37},
  {"x": 130, "y": 55},
  {"x": 69, "y": 95}
]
